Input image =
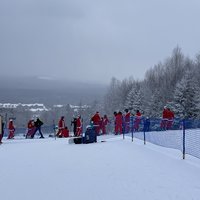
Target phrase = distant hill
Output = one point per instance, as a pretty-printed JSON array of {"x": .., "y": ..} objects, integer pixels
[{"x": 48, "y": 91}]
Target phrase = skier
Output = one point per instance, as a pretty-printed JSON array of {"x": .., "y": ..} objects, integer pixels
[
  {"x": 163, "y": 124},
  {"x": 11, "y": 129},
  {"x": 96, "y": 122},
  {"x": 137, "y": 120},
  {"x": 118, "y": 123},
  {"x": 104, "y": 124},
  {"x": 78, "y": 126},
  {"x": 38, "y": 124},
  {"x": 74, "y": 122},
  {"x": 127, "y": 120},
  {"x": 30, "y": 128},
  {"x": 64, "y": 133},
  {"x": 170, "y": 119},
  {"x": 61, "y": 126}
]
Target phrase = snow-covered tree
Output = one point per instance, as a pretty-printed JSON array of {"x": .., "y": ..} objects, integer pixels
[
  {"x": 134, "y": 99},
  {"x": 186, "y": 97},
  {"x": 112, "y": 97},
  {"x": 155, "y": 105}
]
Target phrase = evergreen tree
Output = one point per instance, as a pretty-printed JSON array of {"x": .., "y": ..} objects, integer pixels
[
  {"x": 134, "y": 99},
  {"x": 186, "y": 100},
  {"x": 155, "y": 105}
]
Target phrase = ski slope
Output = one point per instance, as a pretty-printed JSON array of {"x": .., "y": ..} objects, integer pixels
[{"x": 117, "y": 169}]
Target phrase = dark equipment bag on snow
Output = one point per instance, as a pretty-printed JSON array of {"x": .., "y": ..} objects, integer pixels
[{"x": 78, "y": 140}]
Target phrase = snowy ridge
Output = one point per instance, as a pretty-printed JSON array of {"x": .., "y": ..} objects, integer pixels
[
  {"x": 39, "y": 107},
  {"x": 32, "y": 107}
]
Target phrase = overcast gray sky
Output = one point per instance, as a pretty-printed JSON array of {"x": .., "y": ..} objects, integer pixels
[{"x": 94, "y": 40}]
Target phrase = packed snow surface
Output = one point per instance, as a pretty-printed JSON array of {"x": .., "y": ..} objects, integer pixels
[{"x": 118, "y": 169}]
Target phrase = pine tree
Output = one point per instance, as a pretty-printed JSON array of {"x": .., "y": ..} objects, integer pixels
[
  {"x": 134, "y": 99},
  {"x": 186, "y": 100},
  {"x": 155, "y": 105}
]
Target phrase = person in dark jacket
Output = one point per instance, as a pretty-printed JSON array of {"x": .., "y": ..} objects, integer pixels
[
  {"x": 2, "y": 131},
  {"x": 38, "y": 124},
  {"x": 74, "y": 123}
]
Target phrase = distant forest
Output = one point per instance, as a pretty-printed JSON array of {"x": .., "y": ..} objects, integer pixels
[{"x": 174, "y": 83}]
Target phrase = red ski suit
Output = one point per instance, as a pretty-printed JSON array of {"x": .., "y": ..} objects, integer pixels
[
  {"x": 127, "y": 122},
  {"x": 61, "y": 126},
  {"x": 170, "y": 119},
  {"x": 96, "y": 122},
  {"x": 165, "y": 116},
  {"x": 31, "y": 128},
  {"x": 118, "y": 123},
  {"x": 137, "y": 121},
  {"x": 104, "y": 124},
  {"x": 78, "y": 127},
  {"x": 11, "y": 130}
]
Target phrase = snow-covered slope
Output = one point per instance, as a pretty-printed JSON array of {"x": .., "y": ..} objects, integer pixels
[{"x": 116, "y": 169}]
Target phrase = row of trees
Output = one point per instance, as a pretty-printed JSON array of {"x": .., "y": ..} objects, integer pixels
[{"x": 174, "y": 83}]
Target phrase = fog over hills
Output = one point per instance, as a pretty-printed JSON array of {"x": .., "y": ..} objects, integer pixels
[{"x": 49, "y": 91}]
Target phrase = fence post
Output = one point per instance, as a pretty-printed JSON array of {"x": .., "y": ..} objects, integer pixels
[{"x": 183, "y": 138}]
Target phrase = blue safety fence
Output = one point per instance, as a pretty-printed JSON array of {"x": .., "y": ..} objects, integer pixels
[{"x": 183, "y": 135}]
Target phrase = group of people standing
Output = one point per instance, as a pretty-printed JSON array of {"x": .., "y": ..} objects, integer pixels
[
  {"x": 97, "y": 122},
  {"x": 122, "y": 124},
  {"x": 123, "y": 121},
  {"x": 32, "y": 128},
  {"x": 63, "y": 130}
]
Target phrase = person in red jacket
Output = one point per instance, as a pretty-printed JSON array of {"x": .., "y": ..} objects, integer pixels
[
  {"x": 137, "y": 120},
  {"x": 61, "y": 126},
  {"x": 170, "y": 118},
  {"x": 118, "y": 123},
  {"x": 104, "y": 124},
  {"x": 127, "y": 120},
  {"x": 30, "y": 128},
  {"x": 64, "y": 133},
  {"x": 96, "y": 119},
  {"x": 11, "y": 129},
  {"x": 78, "y": 126},
  {"x": 165, "y": 116}
]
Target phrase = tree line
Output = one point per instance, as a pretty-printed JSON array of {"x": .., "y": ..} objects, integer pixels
[{"x": 173, "y": 83}]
